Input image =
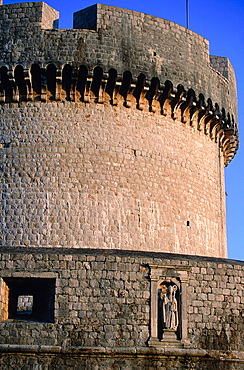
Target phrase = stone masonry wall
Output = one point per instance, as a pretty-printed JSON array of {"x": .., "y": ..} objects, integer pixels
[
  {"x": 102, "y": 301},
  {"x": 112, "y": 185},
  {"x": 97, "y": 176},
  {"x": 124, "y": 40}
]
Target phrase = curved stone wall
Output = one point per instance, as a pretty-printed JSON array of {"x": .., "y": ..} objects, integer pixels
[
  {"x": 102, "y": 176},
  {"x": 102, "y": 311}
]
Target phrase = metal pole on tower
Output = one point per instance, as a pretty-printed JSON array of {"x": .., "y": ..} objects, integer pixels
[{"x": 187, "y": 13}]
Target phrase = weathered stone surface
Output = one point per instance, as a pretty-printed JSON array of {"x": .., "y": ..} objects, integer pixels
[
  {"x": 113, "y": 310},
  {"x": 71, "y": 178},
  {"x": 113, "y": 142}
]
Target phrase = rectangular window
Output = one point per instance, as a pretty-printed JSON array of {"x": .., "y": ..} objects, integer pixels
[{"x": 28, "y": 299}]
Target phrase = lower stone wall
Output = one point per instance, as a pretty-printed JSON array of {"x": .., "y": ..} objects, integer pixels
[
  {"x": 95, "y": 310},
  {"x": 117, "y": 359}
]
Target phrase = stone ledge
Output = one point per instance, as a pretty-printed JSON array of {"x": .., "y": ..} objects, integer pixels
[
  {"x": 231, "y": 356},
  {"x": 113, "y": 252}
]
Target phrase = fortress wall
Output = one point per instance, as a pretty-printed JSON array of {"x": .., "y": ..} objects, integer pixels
[
  {"x": 123, "y": 39},
  {"x": 102, "y": 302},
  {"x": 112, "y": 183},
  {"x": 26, "y": 17},
  {"x": 101, "y": 176}
]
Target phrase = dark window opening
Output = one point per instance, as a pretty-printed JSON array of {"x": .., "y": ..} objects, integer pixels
[{"x": 31, "y": 299}]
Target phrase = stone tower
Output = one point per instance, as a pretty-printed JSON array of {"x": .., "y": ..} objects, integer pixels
[{"x": 114, "y": 138}]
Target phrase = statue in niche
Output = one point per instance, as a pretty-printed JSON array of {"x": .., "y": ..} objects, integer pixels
[{"x": 168, "y": 312}]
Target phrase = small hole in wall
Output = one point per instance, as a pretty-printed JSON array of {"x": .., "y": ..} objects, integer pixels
[
  {"x": 187, "y": 223},
  {"x": 154, "y": 53},
  {"x": 134, "y": 151}
]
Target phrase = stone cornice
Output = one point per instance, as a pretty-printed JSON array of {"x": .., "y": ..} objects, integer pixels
[{"x": 204, "y": 354}]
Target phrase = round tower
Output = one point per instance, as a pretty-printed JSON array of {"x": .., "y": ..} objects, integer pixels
[{"x": 113, "y": 137}]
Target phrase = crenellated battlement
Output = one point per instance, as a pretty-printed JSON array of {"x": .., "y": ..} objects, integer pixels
[
  {"x": 120, "y": 39},
  {"x": 96, "y": 86}
]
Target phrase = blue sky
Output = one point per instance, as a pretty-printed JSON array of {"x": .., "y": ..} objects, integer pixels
[{"x": 222, "y": 23}]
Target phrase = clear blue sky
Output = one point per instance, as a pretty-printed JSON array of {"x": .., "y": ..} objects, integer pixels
[{"x": 222, "y": 23}]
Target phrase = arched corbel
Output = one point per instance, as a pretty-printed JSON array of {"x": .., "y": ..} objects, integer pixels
[
  {"x": 180, "y": 97},
  {"x": 166, "y": 98},
  {"x": 96, "y": 85},
  {"x": 35, "y": 72},
  {"x": 138, "y": 92},
  {"x": 27, "y": 78},
  {"x": 210, "y": 122},
  {"x": 20, "y": 82},
  {"x": 82, "y": 88},
  {"x": 66, "y": 82},
  {"x": 125, "y": 89},
  {"x": 110, "y": 86},
  {"x": 198, "y": 112},
  {"x": 188, "y": 107},
  {"x": 214, "y": 129},
  {"x": 230, "y": 148},
  {"x": 43, "y": 85},
  {"x": 59, "y": 84},
  {"x": 215, "y": 124},
  {"x": 51, "y": 72},
  {"x": 220, "y": 137},
  {"x": 154, "y": 104},
  {"x": 15, "y": 96},
  {"x": 74, "y": 80},
  {"x": 205, "y": 116}
]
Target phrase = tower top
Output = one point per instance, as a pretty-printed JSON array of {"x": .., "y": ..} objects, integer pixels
[{"x": 123, "y": 40}]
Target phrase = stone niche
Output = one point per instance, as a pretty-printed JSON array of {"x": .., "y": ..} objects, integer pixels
[{"x": 168, "y": 318}]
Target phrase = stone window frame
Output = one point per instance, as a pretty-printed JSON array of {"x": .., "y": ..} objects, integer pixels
[
  {"x": 168, "y": 273},
  {"x": 6, "y": 312}
]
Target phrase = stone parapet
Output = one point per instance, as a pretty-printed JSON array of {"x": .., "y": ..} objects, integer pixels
[
  {"x": 122, "y": 39},
  {"x": 102, "y": 308}
]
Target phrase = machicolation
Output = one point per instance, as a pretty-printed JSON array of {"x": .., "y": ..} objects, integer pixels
[{"x": 80, "y": 85}]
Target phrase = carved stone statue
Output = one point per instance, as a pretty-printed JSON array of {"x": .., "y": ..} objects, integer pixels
[{"x": 168, "y": 306}]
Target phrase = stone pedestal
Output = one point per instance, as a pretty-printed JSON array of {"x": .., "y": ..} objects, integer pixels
[
  {"x": 169, "y": 335},
  {"x": 169, "y": 340}
]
